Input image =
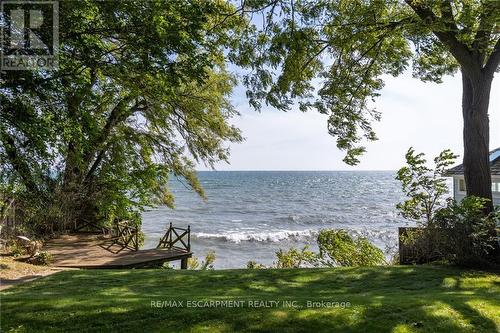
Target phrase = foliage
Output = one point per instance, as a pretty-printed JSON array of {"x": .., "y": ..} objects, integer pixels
[
  {"x": 338, "y": 248},
  {"x": 6, "y": 204},
  {"x": 193, "y": 263},
  {"x": 252, "y": 264},
  {"x": 458, "y": 232},
  {"x": 294, "y": 258},
  {"x": 142, "y": 91},
  {"x": 16, "y": 249},
  {"x": 207, "y": 264},
  {"x": 141, "y": 238},
  {"x": 140, "y": 95},
  {"x": 33, "y": 247},
  {"x": 469, "y": 237},
  {"x": 166, "y": 266},
  {"x": 425, "y": 244},
  {"x": 426, "y": 188},
  {"x": 42, "y": 258},
  {"x": 333, "y": 56}
]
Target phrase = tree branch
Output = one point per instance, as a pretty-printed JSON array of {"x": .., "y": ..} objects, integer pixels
[
  {"x": 17, "y": 162},
  {"x": 99, "y": 146},
  {"x": 459, "y": 50},
  {"x": 484, "y": 31},
  {"x": 317, "y": 54},
  {"x": 494, "y": 60},
  {"x": 447, "y": 15}
]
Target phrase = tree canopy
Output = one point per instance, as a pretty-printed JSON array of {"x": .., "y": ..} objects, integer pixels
[
  {"x": 141, "y": 93},
  {"x": 333, "y": 56},
  {"x": 142, "y": 90}
]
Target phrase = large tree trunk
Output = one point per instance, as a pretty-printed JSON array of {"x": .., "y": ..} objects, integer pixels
[{"x": 475, "y": 100}]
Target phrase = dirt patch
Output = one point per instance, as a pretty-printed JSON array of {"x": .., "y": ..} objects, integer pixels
[{"x": 13, "y": 271}]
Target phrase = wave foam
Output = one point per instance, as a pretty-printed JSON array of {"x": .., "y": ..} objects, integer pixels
[
  {"x": 384, "y": 236},
  {"x": 273, "y": 236}
]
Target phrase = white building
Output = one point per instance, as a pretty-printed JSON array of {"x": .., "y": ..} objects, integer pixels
[{"x": 459, "y": 181}]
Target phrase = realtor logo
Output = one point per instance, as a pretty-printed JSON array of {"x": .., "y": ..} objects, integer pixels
[{"x": 30, "y": 35}]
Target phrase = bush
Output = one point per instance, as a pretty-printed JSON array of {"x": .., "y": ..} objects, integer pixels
[
  {"x": 42, "y": 258},
  {"x": 294, "y": 258},
  {"x": 425, "y": 188},
  {"x": 468, "y": 236},
  {"x": 166, "y": 265},
  {"x": 460, "y": 233},
  {"x": 208, "y": 263},
  {"x": 424, "y": 245},
  {"x": 34, "y": 247},
  {"x": 255, "y": 265},
  {"x": 16, "y": 249},
  {"x": 457, "y": 232},
  {"x": 338, "y": 248},
  {"x": 193, "y": 263}
]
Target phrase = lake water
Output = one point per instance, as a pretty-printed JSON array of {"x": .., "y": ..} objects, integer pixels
[{"x": 249, "y": 215}]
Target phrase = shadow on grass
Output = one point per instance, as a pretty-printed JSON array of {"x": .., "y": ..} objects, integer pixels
[{"x": 383, "y": 299}]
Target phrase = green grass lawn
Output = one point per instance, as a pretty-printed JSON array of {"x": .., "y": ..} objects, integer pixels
[{"x": 382, "y": 299}]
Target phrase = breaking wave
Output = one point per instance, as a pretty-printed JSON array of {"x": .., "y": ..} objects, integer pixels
[
  {"x": 273, "y": 236},
  {"x": 308, "y": 235}
]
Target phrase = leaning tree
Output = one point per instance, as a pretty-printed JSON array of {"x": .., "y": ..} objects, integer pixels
[{"x": 332, "y": 55}]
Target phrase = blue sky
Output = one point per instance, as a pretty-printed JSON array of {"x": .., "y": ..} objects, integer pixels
[{"x": 426, "y": 116}]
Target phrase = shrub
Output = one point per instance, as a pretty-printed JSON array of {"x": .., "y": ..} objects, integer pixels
[
  {"x": 166, "y": 265},
  {"x": 425, "y": 244},
  {"x": 16, "y": 249},
  {"x": 141, "y": 237},
  {"x": 193, "y": 263},
  {"x": 458, "y": 232},
  {"x": 468, "y": 236},
  {"x": 338, "y": 248},
  {"x": 255, "y": 265},
  {"x": 294, "y": 258},
  {"x": 425, "y": 188},
  {"x": 43, "y": 258},
  {"x": 208, "y": 263},
  {"x": 34, "y": 247}
]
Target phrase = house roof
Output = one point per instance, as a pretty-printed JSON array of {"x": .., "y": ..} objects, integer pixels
[{"x": 494, "y": 165}]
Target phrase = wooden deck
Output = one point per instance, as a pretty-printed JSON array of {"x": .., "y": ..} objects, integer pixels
[{"x": 89, "y": 251}]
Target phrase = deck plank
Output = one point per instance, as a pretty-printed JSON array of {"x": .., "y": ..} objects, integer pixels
[{"x": 88, "y": 251}]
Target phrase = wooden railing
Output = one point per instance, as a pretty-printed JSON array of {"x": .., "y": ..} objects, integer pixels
[
  {"x": 124, "y": 236},
  {"x": 175, "y": 235},
  {"x": 90, "y": 226}
]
